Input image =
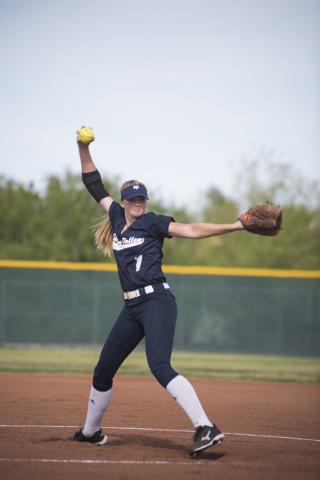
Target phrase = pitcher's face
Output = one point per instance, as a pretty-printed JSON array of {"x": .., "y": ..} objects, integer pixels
[{"x": 135, "y": 207}]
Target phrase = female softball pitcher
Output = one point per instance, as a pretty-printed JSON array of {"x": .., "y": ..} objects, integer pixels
[{"x": 149, "y": 310}]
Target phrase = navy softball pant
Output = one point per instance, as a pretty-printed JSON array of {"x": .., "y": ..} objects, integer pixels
[{"x": 153, "y": 317}]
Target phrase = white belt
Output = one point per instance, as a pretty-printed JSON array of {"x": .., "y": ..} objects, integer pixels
[{"x": 144, "y": 291}]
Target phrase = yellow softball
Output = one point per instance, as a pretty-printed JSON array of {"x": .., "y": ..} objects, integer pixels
[{"x": 85, "y": 135}]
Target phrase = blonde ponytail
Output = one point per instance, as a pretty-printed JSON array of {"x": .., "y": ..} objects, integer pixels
[{"x": 103, "y": 235}]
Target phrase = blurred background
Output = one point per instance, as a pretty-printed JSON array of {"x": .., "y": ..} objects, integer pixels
[
  {"x": 178, "y": 92},
  {"x": 214, "y": 105}
]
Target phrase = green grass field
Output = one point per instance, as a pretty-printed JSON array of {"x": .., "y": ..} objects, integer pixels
[{"x": 192, "y": 365}]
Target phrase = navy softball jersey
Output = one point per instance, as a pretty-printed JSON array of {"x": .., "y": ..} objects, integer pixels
[{"x": 138, "y": 252}]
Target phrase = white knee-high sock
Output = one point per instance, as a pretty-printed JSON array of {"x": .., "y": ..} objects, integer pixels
[
  {"x": 184, "y": 394},
  {"x": 98, "y": 404}
]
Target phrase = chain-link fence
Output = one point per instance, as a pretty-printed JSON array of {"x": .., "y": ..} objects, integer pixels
[{"x": 261, "y": 315}]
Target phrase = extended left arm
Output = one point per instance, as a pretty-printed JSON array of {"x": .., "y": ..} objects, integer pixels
[{"x": 202, "y": 230}]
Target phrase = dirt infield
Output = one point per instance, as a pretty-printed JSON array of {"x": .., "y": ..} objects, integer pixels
[{"x": 272, "y": 430}]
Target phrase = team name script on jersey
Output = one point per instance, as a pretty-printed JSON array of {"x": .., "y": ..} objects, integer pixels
[{"x": 126, "y": 242}]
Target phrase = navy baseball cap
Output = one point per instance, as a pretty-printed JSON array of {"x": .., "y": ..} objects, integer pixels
[{"x": 134, "y": 191}]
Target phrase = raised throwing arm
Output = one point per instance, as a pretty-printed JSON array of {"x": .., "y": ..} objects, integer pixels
[{"x": 91, "y": 177}]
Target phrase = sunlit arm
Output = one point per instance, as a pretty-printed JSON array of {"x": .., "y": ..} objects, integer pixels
[
  {"x": 87, "y": 166},
  {"x": 202, "y": 230},
  {"x": 105, "y": 203}
]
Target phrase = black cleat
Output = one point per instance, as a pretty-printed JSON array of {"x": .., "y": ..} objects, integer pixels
[
  {"x": 205, "y": 437},
  {"x": 99, "y": 438}
]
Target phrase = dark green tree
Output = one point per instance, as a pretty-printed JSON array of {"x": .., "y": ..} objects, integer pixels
[{"x": 57, "y": 224}]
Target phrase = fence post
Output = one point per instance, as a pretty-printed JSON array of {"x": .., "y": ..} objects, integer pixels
[
  {"x": 179, "y": 337},
  {"x": 3, "y": 312},
  {"x": 74, "y": 317},
  {"x": 309, "y": 321},
  {"x": 96, "y": 309},
  {"x": 280, "y": 322}
]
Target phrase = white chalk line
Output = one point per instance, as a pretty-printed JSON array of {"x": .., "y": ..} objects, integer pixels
[
  {"x": 164, "y": 430},
  {"x": 134, "y": 462},
  {"x": 130, "y": 462}
]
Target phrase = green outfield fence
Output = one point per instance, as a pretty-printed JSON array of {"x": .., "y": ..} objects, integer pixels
[{"x": 273, "y": 312}]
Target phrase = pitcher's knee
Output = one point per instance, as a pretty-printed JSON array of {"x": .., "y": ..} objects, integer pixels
[
  {"x": 163, "y": 372},
  {"x": 101, "y": 380}
]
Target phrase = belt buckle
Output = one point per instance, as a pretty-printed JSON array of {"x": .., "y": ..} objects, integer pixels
[
  {"x": 131, "y": 295},
  {"x": 148, "y": 289}
]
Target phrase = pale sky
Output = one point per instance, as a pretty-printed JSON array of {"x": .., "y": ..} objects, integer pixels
[{"x": 176, "y": 91}]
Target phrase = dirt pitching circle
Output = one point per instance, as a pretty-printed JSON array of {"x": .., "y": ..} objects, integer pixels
[{"x": 272, "y": 430}]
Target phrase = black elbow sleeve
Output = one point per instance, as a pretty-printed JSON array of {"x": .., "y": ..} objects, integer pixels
[{"x": 94, "y": 185}]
